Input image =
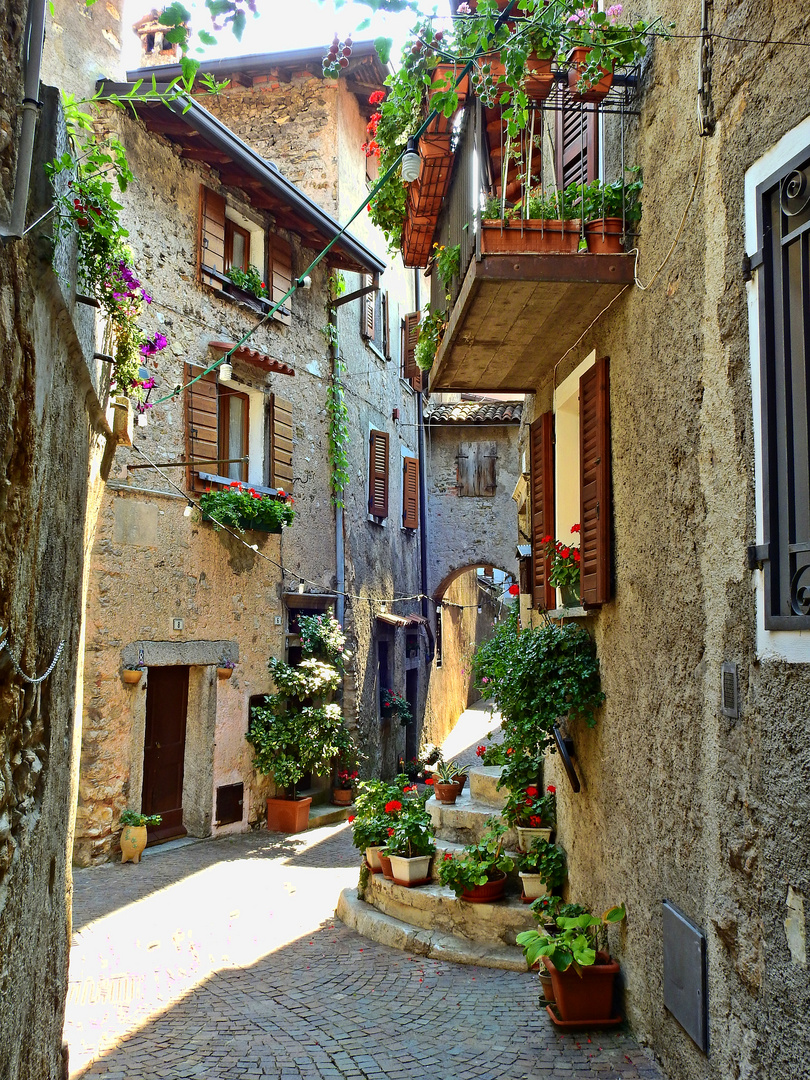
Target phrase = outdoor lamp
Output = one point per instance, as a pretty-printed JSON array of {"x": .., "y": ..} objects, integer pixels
[
  {"x": 225, "y": 372},
  {"x": 304, "y": 282},
  {"x": 411, "y": 162}
]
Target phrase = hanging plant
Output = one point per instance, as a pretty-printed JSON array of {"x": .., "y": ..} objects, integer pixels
[{"x": 431, "y": 332}]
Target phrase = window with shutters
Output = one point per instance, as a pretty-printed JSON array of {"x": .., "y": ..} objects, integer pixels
[
  {"x": 378, "y": 474},
  {"x": 375, "y": 319},
  {"x": 475, "y": 469},
  {"x": 569, "y": 452},
  {"x": 780, "y": 207},
  {"x": 234, "y": 432},
  {"x": 577, "y": 140},
  {"x": 228, "y": 239},
  {"x": 410, "y": 493},
  {"x": 410, "y": 336}
]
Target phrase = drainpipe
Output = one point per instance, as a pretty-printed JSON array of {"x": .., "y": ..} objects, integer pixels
[
  {"x": 420, "y": 429},
  {"x": 340, "y": 570},
  {"x": 35, "y": 39}
]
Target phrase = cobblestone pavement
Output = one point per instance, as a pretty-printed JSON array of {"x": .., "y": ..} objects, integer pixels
[{"x": 222, "y": 960}]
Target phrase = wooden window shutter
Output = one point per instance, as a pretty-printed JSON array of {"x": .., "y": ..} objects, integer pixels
[
  {"x": 594, "y": 479},
  {"x": 281, "y": 470},
  {"x": 202, "y": 432},
  {"x": 367, "y": 321},
  {"x": 280, "y": 272},
  {"x": 378, "y": 474},
  {"x": 410, "y": 336},
  {"x": 211, "y": 246},
  {"x": 386, "y": 325},
  {"x": 577, "y": 140},
  {"x": 541, "y": 462},
  {"x": 410, "y": 493}
]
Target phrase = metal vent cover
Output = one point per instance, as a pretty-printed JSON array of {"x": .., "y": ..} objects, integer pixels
[
  {"x": 729, "y": 690},
  {"x": 230, "y": 799},
  {"x": 685, "y": 974}
]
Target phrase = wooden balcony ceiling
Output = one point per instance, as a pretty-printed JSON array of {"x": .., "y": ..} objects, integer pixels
[{"x": 516, "y": 315}]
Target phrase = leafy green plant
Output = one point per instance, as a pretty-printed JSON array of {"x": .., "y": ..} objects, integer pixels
[
  {"x": 554, "y": 205},
  {"x": 575, "y": 943},
  {"x": 411, "y": 831},
  {"x": 600, "y": 200},
  {"x": 479, "y": 863},
  {"x": 447, "y": 263},
  {"x": 241, "y": 507},
  {"x": 565, "y": 560},
  {"x": 494, "y": 754},
  {"x": 544, "y": 859},
  {"x": 610, "y": 44},
  {"x": 545, "y": 909},
  {"x": 447, "y": 771},
  {"x": 322, "y": 637},
  {"x": 137, "y": 821},
  {"x": 250, "y": 280},
  {"x": 492, "y": 210},
  {"x": 370, "y": 821},
  {"x": 396, "y": 703},
  {"x": 531, "y": 810},
  {"x": 431, "y": 332}
]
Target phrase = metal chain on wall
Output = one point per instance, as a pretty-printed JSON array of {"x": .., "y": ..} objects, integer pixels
[{"x": 34, "y": 681}]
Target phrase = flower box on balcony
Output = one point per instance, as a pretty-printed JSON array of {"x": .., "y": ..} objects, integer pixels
[
  {"x": 417, "y": 240},
  {"x": 529, "y": 237}
]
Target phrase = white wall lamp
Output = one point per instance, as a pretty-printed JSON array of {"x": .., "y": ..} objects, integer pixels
[
  {"x": 411, "y": 162},
  {"x": 225, "y": 372}
]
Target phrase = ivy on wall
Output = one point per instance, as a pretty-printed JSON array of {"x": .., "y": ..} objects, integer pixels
[{"x": 336, "y": 402}]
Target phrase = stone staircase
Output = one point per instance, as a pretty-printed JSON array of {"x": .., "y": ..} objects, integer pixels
[{"x": 428, "y": 920}]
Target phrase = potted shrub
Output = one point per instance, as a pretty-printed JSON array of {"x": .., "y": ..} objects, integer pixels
[
  {"x": 371, "y": 822},
  {"x": 533, "y": 814},
  {"x": 410, "y": 845},
  {"x": 343, "y": 786},
  {"x": 582, "y": 975},
  {"x": 478, "y": 875},
  {"x": 133, "y": 835},
  {"x": 565, "y": 562},
  {"x": 393, "y": 704},
  {"x": 541, "y": 869},
  {"x": 241, "y": 507},
  {"x": 607, "y": 209},
  {"x": 431, "y": 332},
  {"x": 291, "y": 738},
  {"x": 446, "y": 787}
]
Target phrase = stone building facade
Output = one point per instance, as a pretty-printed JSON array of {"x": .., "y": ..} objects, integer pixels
[{"x": 693, "y": 798}]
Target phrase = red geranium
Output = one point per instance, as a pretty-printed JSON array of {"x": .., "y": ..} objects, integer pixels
[
  {"x": 551, "y": 789},
  {"x": 393, "y": 806},
  {"x": 390, "y": 832},
  {"x": 531, "y": 791},
  {"x": 351, "y": 817},
  {"x": 575, "y": 528},
  {"x": 430, "y": 780},
  {"x": 480, "y": 750}
]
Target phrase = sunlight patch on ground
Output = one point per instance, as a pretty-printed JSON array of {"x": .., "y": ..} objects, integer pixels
[{"x": 472, "y": 728}]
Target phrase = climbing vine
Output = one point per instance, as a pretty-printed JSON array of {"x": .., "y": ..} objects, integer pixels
[{"x": 336, "y": 402}]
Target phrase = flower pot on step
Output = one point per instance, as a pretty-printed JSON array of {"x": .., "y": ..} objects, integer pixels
[
  {"x": 486, "y": 894},
  {"x": 385, "y": 863},
  {"x": 526, "y": 837},
  {"x": 446, "y": 793},
  {"x": 342, "y": 796},
  {"x": 288, "y": 815},
  {"x": 533, "y": 885},
  {"x": 373, "y": 859},
  {"x": 410, "y": 872},
  {"x": 586, "y": 995}
]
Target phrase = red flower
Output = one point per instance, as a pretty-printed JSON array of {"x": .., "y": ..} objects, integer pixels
[
  {"x": 565, "y": 552},
  {"x": 351, "y": 817},
  {"x": 480, "y": 750},
  {"x": 430, "y": 780},
  {"x": 390, "y": 832},
  {"x": 514, "y": 589},
  {"x": 546, "y": 540},
  {"x": 376, "y": 97},
  {"x": 531, "y": 791},
  {"x": 235, "y": 483},
  {"x": 527, "y": 802},
  {"x": 577, "y": 555},
  {"x": 447, "y": 856},
  {"x": 551, "y": 789},
  {"x": 510, "y": 750},
  {"x": 535, "y": 822},
  {"x": 575, "y": 528},
  {"x": 393, "y": 806}
]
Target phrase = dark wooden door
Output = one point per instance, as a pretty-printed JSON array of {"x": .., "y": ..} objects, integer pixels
[{"x": 164, "y": 749}]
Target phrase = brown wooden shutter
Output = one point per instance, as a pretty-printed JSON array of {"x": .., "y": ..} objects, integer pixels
[
  {"x": 367, "y": 309},
  {"x": 594, "y": 480},
  {"x": 202, "y": 443},
  {"x": 410, "y": 493},
  {"x": 281, "y": 470},
  {"x": 280, "y": 273},
  {"x": 410, "y": 336},
  {"x": 211, "y": 246},
  {"x": 378, "y": 474},
  {"x": 577, "y": 141},
  {"x": 386, "y": 326},
  {"x": 541, "y": 460}
]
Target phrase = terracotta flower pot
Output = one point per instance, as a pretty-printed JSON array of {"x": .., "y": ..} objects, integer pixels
[
  {"x": 486, "y": 894},
  {"x": 526, "y": 837},
  {"x": 129, "y": 675},
  {"x": 133, "y": 841},
  {"x": 446, "y": 793},
  {"x": 529, "y": 237},
  {"x": 224, "y": 672},
  {"x": 373, "y": 859},
  {"x": 461, "y": 779},
  {"x": 410, "y": 872},
  {"x": 342, "y": 796},
  {"x": 547, "y": 986},
  {"x": 587, "y": 994},
  {"x": 605, "y": 236},
  {"x": 385, "y": 863},
  {"x": 288, "y": 815},
  {"x": 597, "y": 91},
  {"x": 539, "y": 78}
]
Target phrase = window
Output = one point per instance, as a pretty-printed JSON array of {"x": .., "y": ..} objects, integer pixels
[
  {"x": 375, "y": 318},
  {"x": 569, "y": 452},
  {"x": 577, "y": 136},
  {"x": 378, "y": 474},
  {"x": 229, "y": 239},
  {"x": 475, "y": 469},
  {"x": 226, "y": 423},
  {"x": 782, "y": 203},
  {"x": 410, "y": 493},
  {"x": 410, "y": 336}
]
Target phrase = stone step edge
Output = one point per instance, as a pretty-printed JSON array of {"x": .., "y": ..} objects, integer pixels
[{"x": 386, "y": 930}]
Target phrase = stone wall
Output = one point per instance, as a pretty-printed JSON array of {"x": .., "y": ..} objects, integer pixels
[
  {"x": 52, "y": 436},
  {"x": 83, "y": 44},
  {"x": 679, "y": 802}
]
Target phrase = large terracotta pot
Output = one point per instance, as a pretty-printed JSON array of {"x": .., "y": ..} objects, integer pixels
[
  {"x": 410, "y": 872},
  {"x": 133, "y": 841},
  {"x": 605, "y": 236},
  {"x": 446, "y": 793},
  {"x": 288, "y": 815},
  {"x": 587, "y": 995},
  {"x": 486, "y": 894},
  {"x": 385, "y": 863},
  {"x": 342, "y": 796},
  {"x": 539, "y": 78},
  {"x": 529, "y": 237},
  {"x": 597, "y": 91},
  {"x": 526, "y": 837}
]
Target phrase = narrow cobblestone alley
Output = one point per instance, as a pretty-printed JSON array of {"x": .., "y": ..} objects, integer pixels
[{"x": 222, "y": 960}]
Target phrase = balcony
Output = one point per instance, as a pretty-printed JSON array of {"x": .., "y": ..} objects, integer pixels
[{"x": 515, "y": 309}]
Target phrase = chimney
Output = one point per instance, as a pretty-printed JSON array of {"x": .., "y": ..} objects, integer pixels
[{"x": 154, "y": 50}]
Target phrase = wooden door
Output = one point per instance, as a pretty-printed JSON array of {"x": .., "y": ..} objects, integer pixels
[{"x": 164, "y": 749}]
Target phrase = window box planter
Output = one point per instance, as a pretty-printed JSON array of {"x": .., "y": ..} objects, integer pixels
[
  {"x": 529, "y": 237},
  {"x": 258, "y": 303},
  {"x": 444, "y": 78},
  {"x": 605, "y": 236}
]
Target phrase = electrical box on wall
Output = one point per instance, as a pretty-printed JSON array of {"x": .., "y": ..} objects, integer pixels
[
  {"x": 685, "y": 974},
  {"x": 177, "y": 624},
  {"x": 276, "y": 620}
]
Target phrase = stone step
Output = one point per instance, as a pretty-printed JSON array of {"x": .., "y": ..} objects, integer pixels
[
  {"x": 465, "y": 821},
  {"x": 435, "y": 907},
  {"x": 326, "y": 814},
  {"x": 397, "y": 934},
  {"x": 482, "y": 781}
]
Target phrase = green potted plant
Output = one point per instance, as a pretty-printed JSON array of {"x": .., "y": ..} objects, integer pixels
[
  {"x": 392, "y": 704},
  {"x": 607, "y": 209},
  {"x": 541, "y": 869},
  {"x": 582, "y": 975},
  {"x": 565, "y": 567},
  {"x": 134, "y": 834},
  {"x": 545, "y": 909},
  {"x": 296, "y": 731},
  {"x": 446, "y": 786},
  {"x": 596, "y": 44},
  {"x": 431, "y": 332},
  {"x": 246, "y": 284},
  {"x": 371, "y": 822},
  {"x": 533, "y": 813},
  {"x": 241, "y": 507},
  {"x": 478, "y": 875},
  {"x": 410, "y": 845}
]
